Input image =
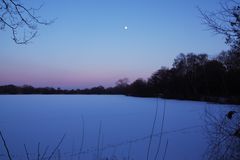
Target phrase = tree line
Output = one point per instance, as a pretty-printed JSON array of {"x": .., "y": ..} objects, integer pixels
[
  {"x": 195, "y": 77},
  {"x": 192, "y": 76}
]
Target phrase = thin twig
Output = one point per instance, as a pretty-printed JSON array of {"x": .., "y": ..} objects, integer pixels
[
  {"x": 59, "y": 154},
  {"x": 129, "y": 151},
  {"x": 99, "y": 136},
  {"x": 56, "y": 148},
  {"x": 44, "y": 153},
  {"x": 102, "y": 140},
  {"x": 26, "y": 151},
  {"x": 82, "y": 139},
  {"x": 165, "y": 151},
  {"x": 153, "y": 126},
  {"x": 73, "y": 147},
  {"x": 5, "y": 146},
  {"x": 161, "y": 131},
  {"x": 38, "y": 156}
]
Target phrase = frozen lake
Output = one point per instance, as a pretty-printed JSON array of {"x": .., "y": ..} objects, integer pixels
[{"x": 110, "y": 126}]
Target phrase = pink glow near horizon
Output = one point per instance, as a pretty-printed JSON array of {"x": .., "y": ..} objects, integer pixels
[{"x": 60, "y": 79}]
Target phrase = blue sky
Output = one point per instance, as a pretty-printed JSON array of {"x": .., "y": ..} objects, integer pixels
[{"x": 88, "y": 45}]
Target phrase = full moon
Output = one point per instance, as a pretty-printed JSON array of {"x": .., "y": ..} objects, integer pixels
[{"x": 125, "y": 27}]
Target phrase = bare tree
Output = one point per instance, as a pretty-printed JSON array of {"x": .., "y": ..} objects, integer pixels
[
  {"x": 226, "y": 22},
  {"x": 223, "y": 135},
  {"x": 122, "y": 82},
  {"x": 22, "y": 21}
]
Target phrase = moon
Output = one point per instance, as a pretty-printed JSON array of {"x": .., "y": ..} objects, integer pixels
[{"x": 125, "y": 27}]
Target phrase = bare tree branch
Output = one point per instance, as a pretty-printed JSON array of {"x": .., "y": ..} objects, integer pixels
[
  {"x": 21, "y": 20},
  {"x": 225, "y": 22}
]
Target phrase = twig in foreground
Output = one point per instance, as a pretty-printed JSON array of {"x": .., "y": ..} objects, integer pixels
[
  {"x": 56, "y": 148},
  {"x": 5, "y": 146},
  {"x": 151, "y": 135},
  {"x": 161, "y": 131},
  {"x": 26, "y": 151},
  {"x": 164, "y": 155},
  {"x": 82, "y": 140}
]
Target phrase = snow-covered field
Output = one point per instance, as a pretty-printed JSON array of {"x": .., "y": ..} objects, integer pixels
[{"x": 117, "y": 126}]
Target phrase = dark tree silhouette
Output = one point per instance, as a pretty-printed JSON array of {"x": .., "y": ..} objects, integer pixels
[
  {"x": 139, "y": 87},
  {"x": 230, "y": 59},
  {"x": 159, "y": 81},
  {"x": 215, "y": 78},
  {"x": 194, "y": 76},
  {"x": 121, "y": 86},
  {"x": 122, "y": 82},
  {"x": 21, "y": 20},
  {"x": 189, "y": 72}
]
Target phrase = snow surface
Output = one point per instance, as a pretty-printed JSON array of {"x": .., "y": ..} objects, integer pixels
[{"x": 126, "y": 124}]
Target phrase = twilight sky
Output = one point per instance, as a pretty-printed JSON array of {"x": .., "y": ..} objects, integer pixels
[{"x": 88, "y": 45}]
